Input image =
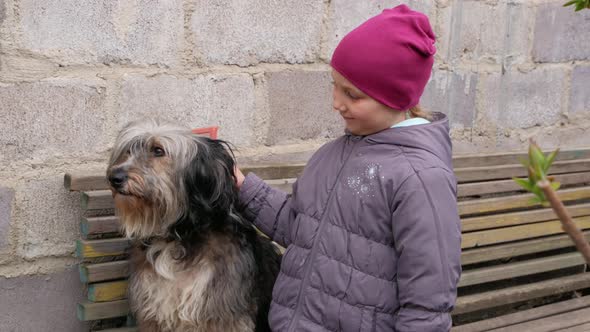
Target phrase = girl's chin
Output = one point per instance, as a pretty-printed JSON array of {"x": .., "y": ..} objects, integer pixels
[
  {"x": 361, "y": 131},
  {"x": 356, "y": 131}
]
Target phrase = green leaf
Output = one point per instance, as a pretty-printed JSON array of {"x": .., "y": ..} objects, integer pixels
[
  {"x": 532, "y": 174},
  {"x": 538, "y": 159},
  {"x": 536, "y": 200},
  {"x": 580, "y": 6},
  {"x": 550, "y": 160},
  {"x": 538, "y": 192},
  {"x": 539, "y": 173},
  {"x": 531, "y": 153},
  {"x": 525, "y": 183},
  {"x": 555, "y": 185},
  {"x": 570, "y": 3}
]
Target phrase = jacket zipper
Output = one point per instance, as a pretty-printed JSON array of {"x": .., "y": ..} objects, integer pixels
[{"x": 314, "y": 245}]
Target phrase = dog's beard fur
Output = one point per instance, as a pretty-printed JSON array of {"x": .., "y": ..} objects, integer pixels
[{"x": 201, "y": 266}]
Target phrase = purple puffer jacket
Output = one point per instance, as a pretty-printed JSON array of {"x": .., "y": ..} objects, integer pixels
[{"x": 372, "y": 233}]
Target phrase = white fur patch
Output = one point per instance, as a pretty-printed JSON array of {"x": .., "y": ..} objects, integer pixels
[{"x": 167, "y": 293}]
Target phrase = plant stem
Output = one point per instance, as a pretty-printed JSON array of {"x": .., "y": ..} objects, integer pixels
[{"x": 566, "y": 220}]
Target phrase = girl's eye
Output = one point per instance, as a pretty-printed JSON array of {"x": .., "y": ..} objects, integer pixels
[
  {"x": 351, "y": 95},
  {"x": 158, "y": 152}
]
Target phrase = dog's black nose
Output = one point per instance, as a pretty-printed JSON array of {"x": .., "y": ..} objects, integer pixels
[{"x": 118, "y": 178}]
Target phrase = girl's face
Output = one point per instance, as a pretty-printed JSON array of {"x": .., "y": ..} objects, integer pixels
[{"x": 363, "y": 115}]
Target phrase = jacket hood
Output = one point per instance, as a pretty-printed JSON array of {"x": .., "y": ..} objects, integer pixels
[{"x": 432, "y": 137}]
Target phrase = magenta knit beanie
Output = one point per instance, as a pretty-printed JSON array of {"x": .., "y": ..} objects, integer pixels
[{"x": 389, "y": 57}]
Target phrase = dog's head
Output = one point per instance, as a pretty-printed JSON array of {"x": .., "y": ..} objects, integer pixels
[{"x": 162, "y": 174}]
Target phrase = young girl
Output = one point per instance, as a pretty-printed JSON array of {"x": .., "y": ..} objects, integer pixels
[{"x": 372, "y": 229}]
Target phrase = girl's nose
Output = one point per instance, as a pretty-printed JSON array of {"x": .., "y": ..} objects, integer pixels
[{"x": 337, "y": 103}]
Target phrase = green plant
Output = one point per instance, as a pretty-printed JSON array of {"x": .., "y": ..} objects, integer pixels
[
  {"x": 544, "y": 189},
  {"x": 579, "y": 4},
  {"x": 538, "y": 167}
]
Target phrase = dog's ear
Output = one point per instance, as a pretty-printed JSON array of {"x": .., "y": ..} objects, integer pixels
[
  {"x": 210, "y": 180},
  {"x": 211, "y": 191}
]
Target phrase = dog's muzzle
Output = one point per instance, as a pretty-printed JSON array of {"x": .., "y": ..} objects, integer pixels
[{"x": 118, "y": 178}]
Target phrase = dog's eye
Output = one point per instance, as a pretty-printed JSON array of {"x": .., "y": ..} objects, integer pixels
[{"x": 158, "y": 152}]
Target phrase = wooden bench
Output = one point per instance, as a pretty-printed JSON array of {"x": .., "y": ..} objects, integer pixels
[{"x": 520, "y": 271}]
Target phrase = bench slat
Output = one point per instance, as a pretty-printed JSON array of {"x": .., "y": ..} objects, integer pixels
[
  {"x": 526, "y": 315},
  {"x": 468, "y": 169},
  {"x": 463, "y": 190},
  {"x": 275, "y": 172},
  {"x": 487, "y": 205},
  {"x": 472, "y": 174},
  {"x": 101, "y": 248},
  {"x": 102, "y": 199},
  {"x": 90, "y": 273},
  {"x": 121, "y": 268},
  {"x": 519, "y": 269},
  {"x": 99, "y": 225},
  {"x": 479, "y": 255},
  {"x": 578, "y": 328},
  {"x": 502, "y": 158},
  {"x": 485, "y": 300},
  {"x": 505, "y": 186},
  {"x": 519, "y": 218},
  {"x": 97, "y": 200},
  {"x": 553, "y": 323},
  {"x": 110, "y": 224},
  {"x": 100, "y": 310},
  {"x": 508, "y": 234},
  {"x": 118, "y": 246},
  {"x": 107, "y": 291},
  {"x": 472, "y": 189},
  {"x": 82, "y": 181}
]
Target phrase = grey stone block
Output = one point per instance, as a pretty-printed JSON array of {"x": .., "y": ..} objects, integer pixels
[
  {"x": 246, "y": 32},
  {"x": 523, "y": 100},
  {"x": 484, "y": 31},
  {"x": 452, "y": 93},
  {"x": 50, "y": 118},
  {"x": 301, "y": 106},
  {"x": 345, "y": 15},
  {"x": 568, "y": 137},
  {"x": 140, "y": 32},
  {"x": 580, "y": 92},
  {"x": 2, "y": 11},
  {"x": 41, "y": 303},
  {"x": 49, "y": 218},
  {"x": 6, "y": 199},
  {"x": 561, "y": 34},
  {"x": 206, "y": 100},
  {"x": 23, "y": 69}
]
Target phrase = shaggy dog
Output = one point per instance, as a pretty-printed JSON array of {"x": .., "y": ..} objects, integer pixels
[{"x": 197, "y": 265}]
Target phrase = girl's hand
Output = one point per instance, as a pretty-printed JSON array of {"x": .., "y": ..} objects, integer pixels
[{"x": 239, "y": 177}]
